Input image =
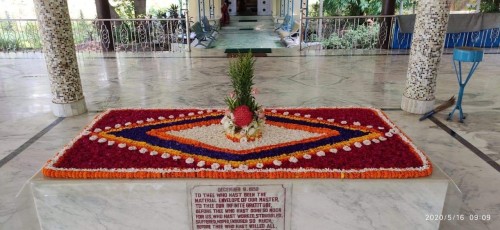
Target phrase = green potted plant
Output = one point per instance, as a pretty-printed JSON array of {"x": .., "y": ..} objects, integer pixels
[{"x": 173, "y": 11}]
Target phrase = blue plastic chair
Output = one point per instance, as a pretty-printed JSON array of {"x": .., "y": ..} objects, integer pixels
[
  {"x": 286, "y": 25},
  {"x": 464, "y": 54}
]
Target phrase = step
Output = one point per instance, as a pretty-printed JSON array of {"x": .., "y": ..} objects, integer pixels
[
  {"x": 243, "y": 28},
  {"x": 260, "y": 24},
  {"x": 258, "y": 18}
]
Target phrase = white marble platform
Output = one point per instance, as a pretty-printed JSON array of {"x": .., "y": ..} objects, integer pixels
[
  {"x": 315, "y": 203},
  {"x": 169, "y": 80}
]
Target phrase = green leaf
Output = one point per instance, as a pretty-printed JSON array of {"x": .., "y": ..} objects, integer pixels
[{"x": 241, "y": 73}]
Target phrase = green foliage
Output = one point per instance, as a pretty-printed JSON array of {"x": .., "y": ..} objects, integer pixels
[
  {"x": 6, "y": 26},
  {"x": 464, "y": 5},
  {"x": 125, "y": 9},
  {"x": 241, "y": 74},
  {"x": 314, "y": 10},
  {"x": 7, "y": 44},
  {"x": 18, "y": 36},
  {"x": 158, "y": 12},
  {"x": 352, "y": 7},
  {"x": 471, "y": 7},
  {"x": 407, "y": 5},
  {"x": 361, "y": 37},
  {"x": 490, "y": 6},
  {"x": 31, "y": 37},
  {"x": 357, "y": 7},
  {"x": 173, "y": 11},
  {"x": 83, "y": 30}
]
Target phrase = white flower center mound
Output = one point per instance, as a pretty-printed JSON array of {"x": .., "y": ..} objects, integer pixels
[{"x": 214, "y": 135}]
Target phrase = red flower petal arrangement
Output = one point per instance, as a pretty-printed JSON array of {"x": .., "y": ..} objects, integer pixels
[{"x": 187, "y": 143}]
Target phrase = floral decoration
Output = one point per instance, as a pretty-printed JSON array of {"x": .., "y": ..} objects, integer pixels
[
  {"x": 244, "y": 118},
  {"x": 147, "y": 143}
]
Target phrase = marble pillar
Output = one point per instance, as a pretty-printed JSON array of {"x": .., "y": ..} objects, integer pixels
[
  {"x": 60, "y": 57},
  {"x": 427, "y": 46}
]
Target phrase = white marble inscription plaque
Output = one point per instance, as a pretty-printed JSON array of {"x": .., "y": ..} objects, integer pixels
[{"x": 238, "y": 207}]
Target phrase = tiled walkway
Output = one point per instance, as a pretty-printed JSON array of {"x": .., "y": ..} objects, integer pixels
[{"x": 237, "y": 35}]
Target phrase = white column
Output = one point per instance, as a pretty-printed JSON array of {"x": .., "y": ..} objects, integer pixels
[
  {"x": 60, "y": 57},
  {"x": 426, "y": 49}
]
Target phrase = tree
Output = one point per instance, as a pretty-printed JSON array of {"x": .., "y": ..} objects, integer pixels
[
  {"x": 352, "y": 7},
  {"x": 359, "y": 7},
  {"x": 129, "y": 9},
  {"x": 124, "y": 8},
  {"x": 104, "y": 12},
  {"x": 140, "y": 8}
]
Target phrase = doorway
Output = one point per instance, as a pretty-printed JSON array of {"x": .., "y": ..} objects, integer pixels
[
  {"x": 250, "y": 7},
  {"x": 247, "y": 7}
]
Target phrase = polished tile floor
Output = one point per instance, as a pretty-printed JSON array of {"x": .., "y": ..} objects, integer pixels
[{"x": 30, "y": 134}]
